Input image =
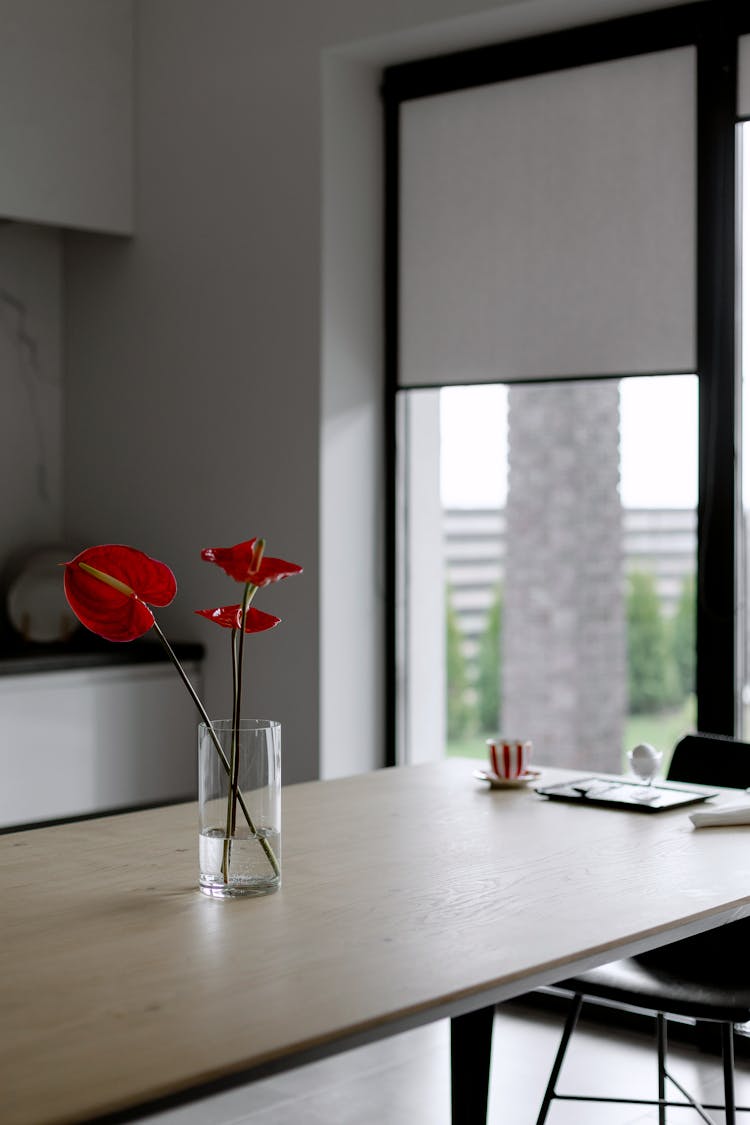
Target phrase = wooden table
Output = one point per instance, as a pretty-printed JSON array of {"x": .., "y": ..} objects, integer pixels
[{"x": 409, "y": 895}]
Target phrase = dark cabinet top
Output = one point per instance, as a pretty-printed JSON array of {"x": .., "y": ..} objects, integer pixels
[{"x": 18, "y": 657}]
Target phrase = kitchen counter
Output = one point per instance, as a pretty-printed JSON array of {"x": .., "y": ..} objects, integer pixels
[{"x": 19, "y": 657}]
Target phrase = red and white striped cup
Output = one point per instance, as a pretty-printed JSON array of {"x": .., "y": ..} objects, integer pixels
[{"x": 509, "y": 757}]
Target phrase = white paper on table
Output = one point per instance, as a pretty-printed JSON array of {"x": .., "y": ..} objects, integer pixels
[{"x": 714, "y": 818}]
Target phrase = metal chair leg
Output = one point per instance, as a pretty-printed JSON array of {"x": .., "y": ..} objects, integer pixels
[
  {"x": 570, "y": 1024},
  {"x": 727, "y": 1055},
  {"x": 727, "y": 1052},
  {"x": 661, "y": 1050}
]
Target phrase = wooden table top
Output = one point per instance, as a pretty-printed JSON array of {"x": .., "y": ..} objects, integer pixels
[{"x": 409, "y": 894}]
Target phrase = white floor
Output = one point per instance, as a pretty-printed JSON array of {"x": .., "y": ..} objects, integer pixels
[{"x": 405, "y": 1080}]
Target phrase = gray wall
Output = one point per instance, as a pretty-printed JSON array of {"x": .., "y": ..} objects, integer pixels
[{"x": 199, "y": 382}]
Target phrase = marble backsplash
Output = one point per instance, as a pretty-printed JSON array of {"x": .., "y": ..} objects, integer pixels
[{"x": 31, "y": 406}]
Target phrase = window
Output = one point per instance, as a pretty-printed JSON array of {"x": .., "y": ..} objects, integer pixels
[
  {"x": 560, "y": 248},
  {"x": 743, "y": 572},
  {"x": 553, "y": 546}
]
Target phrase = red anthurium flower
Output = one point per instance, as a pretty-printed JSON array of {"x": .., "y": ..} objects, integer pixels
[
  {"x": 228, "y": 616},
  {"x": 108, "y": 588},
  {"x": 241, "y": 563}
]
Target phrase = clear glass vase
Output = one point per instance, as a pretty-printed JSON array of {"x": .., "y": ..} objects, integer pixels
[{"x": 239, "y": 807}]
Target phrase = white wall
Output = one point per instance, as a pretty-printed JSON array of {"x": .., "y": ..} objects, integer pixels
[
  {"x": 351, "y": 509},
  {"x": 199, "y": 382}
]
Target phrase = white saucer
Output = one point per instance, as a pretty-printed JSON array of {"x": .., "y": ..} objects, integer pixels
[{"x": 507, "y": 782}]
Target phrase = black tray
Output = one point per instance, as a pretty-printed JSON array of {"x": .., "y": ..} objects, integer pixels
[{"x": 619, "y": 793}]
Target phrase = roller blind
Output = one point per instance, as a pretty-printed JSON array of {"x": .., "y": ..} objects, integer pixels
[
  {"x": 547, "y": 225},
  {"x": 743, "y": 76}
]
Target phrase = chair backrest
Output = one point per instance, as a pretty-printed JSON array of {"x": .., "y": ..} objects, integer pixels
[
  {"x": 711, "y": 759},
  {"x": 719, "y": 955}
]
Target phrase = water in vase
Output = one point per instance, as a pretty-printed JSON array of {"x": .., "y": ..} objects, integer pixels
[{"x": 250, "y": 872}]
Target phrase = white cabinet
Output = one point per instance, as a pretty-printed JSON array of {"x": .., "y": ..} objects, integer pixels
[
  {"x": 77, "y": 742},
  {"x": 66, "y": 113}
]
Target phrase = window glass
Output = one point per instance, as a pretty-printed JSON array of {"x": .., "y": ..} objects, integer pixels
[
  {"x": 558, "y": 592},
  {"x": 744, "y": 506}
]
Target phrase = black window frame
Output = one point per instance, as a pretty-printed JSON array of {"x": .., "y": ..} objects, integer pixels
[{"x": 713, "y": 30}]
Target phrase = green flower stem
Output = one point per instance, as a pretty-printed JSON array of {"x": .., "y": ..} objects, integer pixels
[
  {"x": 228, "y": 832},
  {"x": 233, "y": 791},
  {"x": 214, "y": 738},
  {"x": 237, "y": 652}
]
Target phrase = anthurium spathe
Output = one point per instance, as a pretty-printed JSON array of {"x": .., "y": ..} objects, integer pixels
[
  {"x": 110, "y": 589},
  {"x": 246, "y": 562},
  {"x": 228, "y": 616}
]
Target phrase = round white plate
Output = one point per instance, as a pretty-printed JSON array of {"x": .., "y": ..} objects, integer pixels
[{"x": 505, "y": 782}]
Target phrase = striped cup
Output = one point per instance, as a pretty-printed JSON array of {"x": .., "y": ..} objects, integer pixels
[{"x": 509, "y": 757}]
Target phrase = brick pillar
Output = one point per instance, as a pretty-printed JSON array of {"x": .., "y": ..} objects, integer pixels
[{"x": 563, "y": 661}]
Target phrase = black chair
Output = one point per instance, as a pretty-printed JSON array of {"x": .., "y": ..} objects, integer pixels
[{"x": 703, "y": 977}]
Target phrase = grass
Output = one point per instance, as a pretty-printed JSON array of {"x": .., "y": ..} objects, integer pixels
[{"x": 662, "y": 730}]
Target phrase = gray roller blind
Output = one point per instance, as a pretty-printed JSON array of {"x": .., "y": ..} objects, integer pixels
[
  {"x": 548, "y": 225},
  {"x": 743, "y": 77}
]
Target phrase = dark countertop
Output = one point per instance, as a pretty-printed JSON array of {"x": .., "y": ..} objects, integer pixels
[{"x": 84, "y": 650}]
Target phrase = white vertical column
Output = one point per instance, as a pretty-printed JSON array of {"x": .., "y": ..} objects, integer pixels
[{"x": 421, "y": 655}]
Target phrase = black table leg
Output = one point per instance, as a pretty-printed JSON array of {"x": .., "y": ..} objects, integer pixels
[{"x": 471, "y": 1043}]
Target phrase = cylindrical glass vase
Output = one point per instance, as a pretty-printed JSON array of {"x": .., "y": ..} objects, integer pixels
[{"x": 239, "y": 807}]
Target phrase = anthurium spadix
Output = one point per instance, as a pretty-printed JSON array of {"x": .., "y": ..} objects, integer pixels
[{"x": 110, "y": 589}]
